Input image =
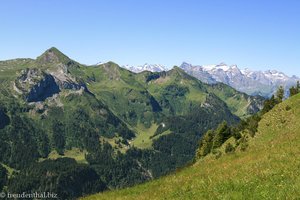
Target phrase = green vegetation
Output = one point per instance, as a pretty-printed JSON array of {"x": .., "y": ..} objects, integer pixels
[
  {"x": 295, "y": 89},
  {"x": 104, "y": 124},
  {"x": 143, "y": 137},
  {"x": 3, "y": 177},
  {"x": 9, "y": 68},
  {"x": 75, "y": 153},
  {"x": 212, "y": 140},
  {"x": 268, "y": 169},
  {"x": 62, "y": 176},
  {"x": 239, "y": 103},
  {"x": 9, "y": 170}
]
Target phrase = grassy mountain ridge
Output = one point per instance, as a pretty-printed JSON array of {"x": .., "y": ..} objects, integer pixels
[
  {"x": 268, "y": 169},
  {"x": 239, "y": 103}
]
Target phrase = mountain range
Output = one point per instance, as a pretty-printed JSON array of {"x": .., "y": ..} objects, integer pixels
[
  {"x": 75, "y": 129},
  {"x": 264, "y": 83}
]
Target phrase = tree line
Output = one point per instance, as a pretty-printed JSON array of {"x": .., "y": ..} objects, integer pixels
[{"x": 215, "y": 138}]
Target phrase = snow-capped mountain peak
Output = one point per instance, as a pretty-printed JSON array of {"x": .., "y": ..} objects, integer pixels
[
  {"x": 146, "y": 67},
  {"x": 245, "y": 80},
  {"x": 223, "y": 67},
  {"x": 246, "y": 71}
]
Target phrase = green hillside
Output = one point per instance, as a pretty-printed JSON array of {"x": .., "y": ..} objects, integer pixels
[
  {"x": 239, "y": 103},
  {"x": 268, "y": 169},
  {"x": 107, "y": 126}
]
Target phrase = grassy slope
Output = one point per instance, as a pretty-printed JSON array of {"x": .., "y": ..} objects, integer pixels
[
  {"x": 9, "y": 68},
  {"x": 119, "y": 89},
  {"x": 10, "y": 170},
  {"x": 196, "y": 92},
  {"x": 236, "y": 101},
  {"x": 269, "y": 169},
  {"x": 143, "y": 138},
  {"x": 75, "y": 153}
]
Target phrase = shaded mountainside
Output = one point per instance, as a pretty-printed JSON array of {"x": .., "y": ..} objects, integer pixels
[
  {"x": 268, "y": 169},
  {"x": 127, "y": 128}
]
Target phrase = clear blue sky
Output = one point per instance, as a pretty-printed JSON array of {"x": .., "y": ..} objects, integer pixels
[{"x": 258, "y": 34}]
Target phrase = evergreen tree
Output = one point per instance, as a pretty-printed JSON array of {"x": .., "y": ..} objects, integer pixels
[
  {"x": 58, "y": 138},
  {"x": 205, "y": 144},
  {"x": 269, "y": 104},
  {"x": 253, "y": 124},
  {"x": 280, "y": 94},
  {"x": 223, "y": 132},
  {"x": 293, "y": 91}
]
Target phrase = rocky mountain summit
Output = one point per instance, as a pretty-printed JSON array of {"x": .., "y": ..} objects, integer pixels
[{"x": 38, "y": 83}]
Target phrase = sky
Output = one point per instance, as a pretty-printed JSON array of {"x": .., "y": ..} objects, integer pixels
[{"x": 257, "y": 34}]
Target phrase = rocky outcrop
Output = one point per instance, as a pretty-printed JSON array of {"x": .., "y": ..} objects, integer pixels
[
  {"x": 45, "y": 88},
  {"x": 36, "y": 85},
  {"x": 65, "y": 81},
  {"x": 255, "y": 104}
]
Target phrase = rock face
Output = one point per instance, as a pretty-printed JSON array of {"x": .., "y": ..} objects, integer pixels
[
  {"x": 45, "y": 88},
  {"x": 255, "y": 104},
  {"x": 65, "y": 81},
  {"x": 198, "y": 72},
  {"x": 4, "y": 119},
  {"x": 37, "y": 85}
]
